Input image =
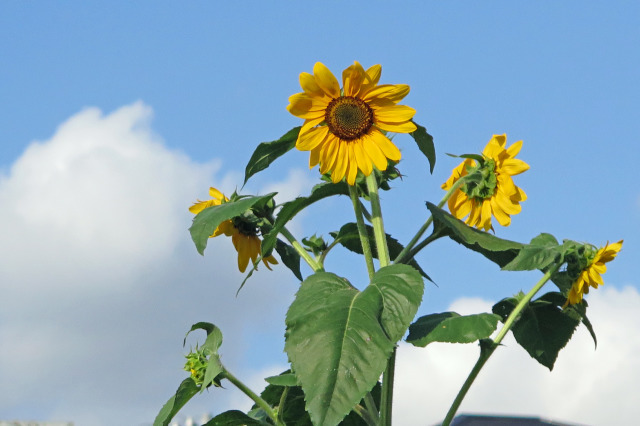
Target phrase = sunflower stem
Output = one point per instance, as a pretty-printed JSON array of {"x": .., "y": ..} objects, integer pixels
[
  {"x": 404, "y": 255},
  {"x": 487, "y": 350},
  {"x": 259, "y": 401},
  {"x": 376, "y": 221},
  {"x": 301, "y": 251},
  {"x": 362, "y": 231}
]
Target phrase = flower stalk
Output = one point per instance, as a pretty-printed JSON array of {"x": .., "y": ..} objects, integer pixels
[
  {"x": 487, "y": 350},
  {"x": 362, "y": 231},
  {"x": 259, "y": 401},
  {"x": 317, "y": 267}
]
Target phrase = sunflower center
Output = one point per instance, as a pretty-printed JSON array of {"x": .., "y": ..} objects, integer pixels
[
  {"x": 244, "y": 227},
  {"x": 348, "y": 118}
]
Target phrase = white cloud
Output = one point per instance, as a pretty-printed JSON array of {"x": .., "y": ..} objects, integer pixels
[
  {"x": 586, "y": 386},
  {"x": 100, "y": 280}
]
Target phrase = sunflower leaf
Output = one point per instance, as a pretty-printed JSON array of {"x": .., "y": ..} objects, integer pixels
[
  {"x": 541, "y": 252},
  {"x": 543, "y": 328},
  {"x": 185, "y": 392},
  {"x": 493, "y": 248},
  {"x": 349, "y": 237},
  {"x": 425, "y": 144},
  {"x": 267, "y": 152},
  {"x": 291, "y": 208},
  {"x": 338, "y": 339},
  {"x": 234, "y": 418},
  {"x": 451, "y": 327},
  {"x": 290, "y": 257},
  {"x": 206, "y": 222}
]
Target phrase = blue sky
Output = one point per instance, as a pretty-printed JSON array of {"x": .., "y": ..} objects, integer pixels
[{"x": 136, "y": 109}]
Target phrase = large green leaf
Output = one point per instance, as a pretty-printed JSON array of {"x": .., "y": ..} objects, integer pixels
[
  {"x": 349, "y": 237},
  {"x": 425, "y": 144},
  {"x": 451, "y": 327},
  {"x": 541, "y": 252},
  {"x": 493, "y": 248},
  {"x": 185, "y": 392},
  {"x": 543, "y": 328},
  {"x": 234, "y": 418},
  {"x": 267, "y": 152},
  {"x": 291, "y": 208},
  {"x": 402, "y": 288},
  {"x": 208, "y": 219},
  {"x": 336, "y": 344}
]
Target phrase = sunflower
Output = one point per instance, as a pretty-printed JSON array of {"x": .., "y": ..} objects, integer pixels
[
  {"x": 345, "y": 129},
  {"x": 490, "y": 191},
  {"x": 243, "y": 235},
  {"x": 591, "y": 275}
]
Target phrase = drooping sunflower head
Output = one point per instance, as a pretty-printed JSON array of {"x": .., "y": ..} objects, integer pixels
[
  {"x": 345, "y": 129},
  {"x": 590, "y": 267},
  {"x": 243, "y": 229},
  {"x": 488, "y": 189}
]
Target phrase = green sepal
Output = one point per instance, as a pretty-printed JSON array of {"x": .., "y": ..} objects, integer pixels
[
  {"x": 451, "y": 327},
  {"x": 496, "y": 249},
  {"x": 185, "y": 392},
  {"x": 291, "y": 208},
  {"x": 290, "y": 257},
  {"x": 338, "y": 339},
  {"x": 349, "y": 237},
  {"x": 267, "y": 152},
  {"x": 234, "y": 418},
  {"x": 543, "y": 327},
  {"x": 314, "y": 244},
  {"x": 206, "y": 222},
  {"x": 425, "y": 144}
]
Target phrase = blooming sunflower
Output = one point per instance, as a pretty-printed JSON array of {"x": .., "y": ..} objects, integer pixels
[
  {"x": 591, "y": 275},
  {"x": 243, "y": 235},
  {"x": 344, "y": 128},
  {"x": 492, "y": 191}
]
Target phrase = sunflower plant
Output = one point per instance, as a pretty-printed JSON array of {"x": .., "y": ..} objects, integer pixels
[{"x": 341, "y": 338}]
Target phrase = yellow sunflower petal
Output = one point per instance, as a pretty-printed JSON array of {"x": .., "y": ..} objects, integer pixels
[
  {"x": 374, "y": 152},
  {"x": 394, "y": 114},
  {"x": 364, "y": 162},
  {"x": 303, "y": 106},
  {"x": 312, "y": 138},
  {"x": 513, "y": 166},
  {"x": 342, "y": 161},
  {"x": 372, "y": 76},
  {"x": 309, "y": 85},
  {"x": 352, "y": 79},
  {"x": 198, "y": 206},
  {"x": 310, "y": 123},
  {"x": 385, "y": 93},
  {"x": 326, "y": 80},
  {"x": 329, "y": 153},
  {"x": 485, "y": 219},
  {"x": 215, "y": 194},
  {"x": 386, "y": 146},
  {"x": 498, "y": 212},
  {"x": 514, "y": 149},
  {"x": 352, "y": 169},
  {"x": 407, "y": 127},
  {"x": 314, "y": 157}
]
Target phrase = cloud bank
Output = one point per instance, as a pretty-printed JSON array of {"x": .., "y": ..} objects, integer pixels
[{"x": 100, "y": 280}]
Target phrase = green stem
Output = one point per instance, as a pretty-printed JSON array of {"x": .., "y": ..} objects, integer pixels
[
  {"x": 365, "y": 415},
  {"x": 283, "y": 398},
  {"x": 404, "y": 254},
  {"x": 376, "y": 221},
  {"x": 487, "y": 350},
  {"x": 301, "y": 251},
  {"x": 259, "y": 401},
  {"x": 386, "y": 398},
  {"x": 370, "y": 404},
  {"x": 362, "y": 231}
]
